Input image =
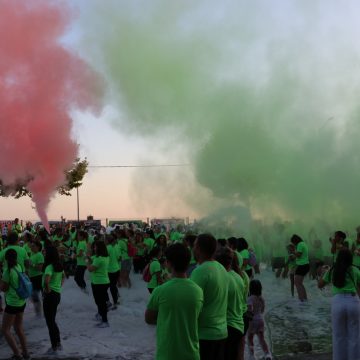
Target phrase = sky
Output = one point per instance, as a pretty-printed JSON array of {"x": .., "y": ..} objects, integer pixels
[{"x": 258, "y": 99}]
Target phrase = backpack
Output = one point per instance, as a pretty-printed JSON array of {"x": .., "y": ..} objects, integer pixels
[
  {"x": 252, "y": 258},
  {"x": 25, "y": 288},
  {"x": 131, "y": 249},
  {"x": 146, "y": 273}
]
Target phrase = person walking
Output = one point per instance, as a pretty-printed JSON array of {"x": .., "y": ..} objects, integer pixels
[{"x": 53, "y": 279}]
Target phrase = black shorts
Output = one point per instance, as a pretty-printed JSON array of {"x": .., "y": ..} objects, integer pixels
[
  {"x": 13, "y": 310},
  {"x": 302, "y": 270}
]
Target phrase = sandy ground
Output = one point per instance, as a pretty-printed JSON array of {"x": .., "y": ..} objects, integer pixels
[{"x": 293, "y": 331}]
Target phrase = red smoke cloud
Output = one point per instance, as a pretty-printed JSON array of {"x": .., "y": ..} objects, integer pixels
[{"x": 40, "y": 81}]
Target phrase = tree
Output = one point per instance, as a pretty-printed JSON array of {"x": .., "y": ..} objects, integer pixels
[{"x": 74, "y": 178}]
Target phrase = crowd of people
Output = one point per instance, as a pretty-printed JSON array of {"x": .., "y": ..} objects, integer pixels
[{"x": 202, "y": 290}]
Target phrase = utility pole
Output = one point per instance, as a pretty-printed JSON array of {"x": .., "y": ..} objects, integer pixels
[{"x": 78, "y": 205}]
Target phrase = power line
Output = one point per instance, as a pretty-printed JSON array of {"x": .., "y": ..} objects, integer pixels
[{"x": 138, "y": 166}]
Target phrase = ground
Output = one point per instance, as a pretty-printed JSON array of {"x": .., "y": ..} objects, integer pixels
[{"x": 294, "y": 331}]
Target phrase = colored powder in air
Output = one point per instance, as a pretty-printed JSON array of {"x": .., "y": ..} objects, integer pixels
[
  {"x": 265, "y": 94},
  {"x": 40, "y": 82}
]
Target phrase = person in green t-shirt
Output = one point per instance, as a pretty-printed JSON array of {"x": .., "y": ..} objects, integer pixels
[
  {"x": 16, "y": 227},
  {"x": 35, "y": 274},
  {"x": 69, "y": 262},
  {"x": 114, "y": 268},
  {"x": 243, "y": 248},
  {"x": 213, "y": 279},
  {"x": 81, "y": 251},
  {"x": 302, "y": 265},
  {"x": 22, "y": 256},
  {"x": 27, "y": 238},
  {"x": 235, "y": 322},
  {"x": 139, "y": 261},
  {"x": 15, "y": 305},
  {"x": 53, "y": 278},
  {"x": 345, "y": 306},
  {"x": 124, "y": 242},
  {"x": 98, "y": 265},
  {"x": 149, "y": 242},
  {"x": 175, "y": 308},
  {"x": 176, "y": 236},
  {"x": 155, "y": 269},
  {"x": 337, "y": 243}
]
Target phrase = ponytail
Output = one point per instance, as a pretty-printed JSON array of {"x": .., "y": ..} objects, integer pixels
[
  {"x": 11, "y": 258},
  {"x": 342, "y": 264}
]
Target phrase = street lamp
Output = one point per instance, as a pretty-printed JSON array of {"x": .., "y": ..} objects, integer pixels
[{"x": 78, "y": 204}]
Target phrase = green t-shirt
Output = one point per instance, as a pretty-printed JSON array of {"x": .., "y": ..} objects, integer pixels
[
  {"x": 302, "y": 248},
  {"x": 73, "y": 235},
  {"x": 240, "y": 259},
  {"x": 213, "y": 279},
  {"x": 123, "y": 247},
  {"x": 100, "y": 275},
  {"x": 56, "y": 238},
  {"x": 149, "y": 242},
  {"x": 91, "y": 239},
  {"x": 35, "y": 260},
  {"x": 114, "y": 256},
  {"x": 176, "y": 236},
  {"x": 82, "y": 245},
  {"x": 235, "y": 301},
  {"x": 246, "y": 256},
  {"x": 291, "y": 261},
  {"x": 68, "y": 243},
  {"x": 55, "y": 278},
  {"x": 155, "y": 267},
  {"x": 12, "y": 279},
  {"x": 140, "y": 251},
  {"x": 16, "y": 228},
  {"x": 356, "y": 258},
  {"x": 27, "y": 249},
  {"x": 352, "y": 281},
  {"x": 21, "y": 256},
  {"x": 178, "y": 303},
  {"x": 246, "y": 280}
]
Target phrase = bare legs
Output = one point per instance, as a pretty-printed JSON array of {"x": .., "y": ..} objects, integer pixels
[
  {"x": 15, "y": 321},
  {"x": 300, "y": 288}
]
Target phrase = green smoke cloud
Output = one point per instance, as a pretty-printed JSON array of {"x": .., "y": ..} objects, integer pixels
[{"x": 265, "y": 93}]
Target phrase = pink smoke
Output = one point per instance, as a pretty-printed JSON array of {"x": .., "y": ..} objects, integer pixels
[{"x": 40, "y": 81}]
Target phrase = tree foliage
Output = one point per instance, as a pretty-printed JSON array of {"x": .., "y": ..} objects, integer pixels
[{"x": 74, "y": 178}]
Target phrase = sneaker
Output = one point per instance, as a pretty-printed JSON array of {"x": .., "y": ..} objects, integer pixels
[
  {"x": 102, "y": 325},
  {"x": 26, "y": 356},
  {"x": 97, "y": 317},
  {"x": 268, "y": 356},
  {"x": 109, "y": 304}
]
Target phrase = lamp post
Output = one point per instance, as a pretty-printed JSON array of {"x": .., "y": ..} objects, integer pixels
[{"x": 78, "y": 204}]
